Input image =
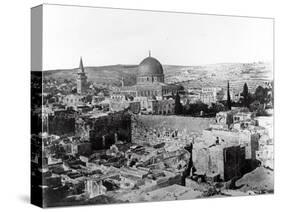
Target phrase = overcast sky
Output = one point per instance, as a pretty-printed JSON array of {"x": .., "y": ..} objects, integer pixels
[{"x": 112, "y": 36}]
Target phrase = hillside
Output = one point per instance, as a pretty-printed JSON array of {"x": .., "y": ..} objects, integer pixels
[
  {"x": 102, "y": 74},
  {"x": 190, "y": 76}
]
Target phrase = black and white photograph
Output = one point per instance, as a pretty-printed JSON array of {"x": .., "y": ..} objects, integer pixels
[{"x": 140, "y": 106}]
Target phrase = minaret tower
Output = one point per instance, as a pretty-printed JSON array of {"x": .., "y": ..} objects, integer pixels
[{"x": 81, "y": 79}]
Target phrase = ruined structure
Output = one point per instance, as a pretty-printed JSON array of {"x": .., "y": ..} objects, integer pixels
[
  {"x": 94, "y": 188},
  {"x": 59, "y": 122},
  {"x": 104, "y": 129}
]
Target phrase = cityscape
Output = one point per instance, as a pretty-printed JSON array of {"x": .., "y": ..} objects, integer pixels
[
  {"x": 152, "y": 132},
  {"x": 131, "y": 106}
]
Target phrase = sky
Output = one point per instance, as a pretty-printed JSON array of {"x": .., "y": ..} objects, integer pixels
[{"x": 104, "y": 36}]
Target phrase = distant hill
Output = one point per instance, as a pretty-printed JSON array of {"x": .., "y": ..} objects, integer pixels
[
  {"x": 102, "y": 74},
  {"x": 190, "y": 76}
]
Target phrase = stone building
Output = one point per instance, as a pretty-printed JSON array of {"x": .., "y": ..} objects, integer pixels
[
  {"x": 210, "y": 95},
  {"x": 163, "y": 107},
  {"x": 150, "y": 82},
  {"x": 232, "y": 146},
  {"x": 226, "y": 119},
  {"x": 156, "y": 107},
  {"x": 73, "y": 100},
  {"x": 244, "y": 138},
  {"x": 225, "y": 160}
]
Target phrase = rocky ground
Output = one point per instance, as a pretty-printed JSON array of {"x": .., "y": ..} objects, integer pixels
[{"x": 260, "y": 180}]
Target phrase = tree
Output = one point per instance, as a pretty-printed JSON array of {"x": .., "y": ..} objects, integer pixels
[
  {"x": 228, "y": 103},
  {"x": 246, "y": 96},
  {"x": 261, "y": 94},
  {"x": 216, "y": 107},
  {"x": 178, "y": 105},
  {"x": 196, "y": 108}
]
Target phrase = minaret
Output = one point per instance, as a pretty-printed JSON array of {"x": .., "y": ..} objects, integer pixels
[
  {"x": 149, "y": 53},
  {"x": 81, "y": 79},
  {"x": 81, "y": 66}
]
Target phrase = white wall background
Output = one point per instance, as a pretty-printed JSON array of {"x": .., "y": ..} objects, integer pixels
[{"x": 15, "y": 102}]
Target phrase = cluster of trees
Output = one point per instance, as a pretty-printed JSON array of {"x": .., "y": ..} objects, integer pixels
[
  {"x": 197, "y": 108},
  {"x": 262, "y": 95},
  {"x": 257, "y": 101}
]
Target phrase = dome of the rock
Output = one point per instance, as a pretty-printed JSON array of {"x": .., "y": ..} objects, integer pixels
[{"x": 150, "y": 67}]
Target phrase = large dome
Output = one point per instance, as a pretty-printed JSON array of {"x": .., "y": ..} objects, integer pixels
[{"x": 150, "y": 67}]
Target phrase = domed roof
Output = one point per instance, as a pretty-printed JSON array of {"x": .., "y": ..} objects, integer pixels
[{"x": 150, "y": 66}]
